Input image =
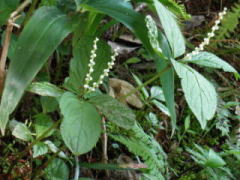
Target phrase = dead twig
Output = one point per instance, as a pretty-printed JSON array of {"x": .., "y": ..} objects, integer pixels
[{"x": 11, "y": 23}]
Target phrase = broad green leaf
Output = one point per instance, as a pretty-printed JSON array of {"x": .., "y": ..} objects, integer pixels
[
  {"x": 214, "y": 160},
  {"x": 57, "y": 170},
  {"x": 171, "y": 29},
  {"x": 49, "y": 104},
  {"x": 39, "y": 149},
  {"x": 81, "y": 57},
  {"x": 157, "y": 93},
  {"x": 20, "y": 130},
  {"x": 114, "y": 111},
  {"x": 81, "y": 126},
  {"x": 210, "y": 60},
  {"x": 42, "y": 123},
  {"x": 45, "y": 89},
  {"x": 47, "y": 25},
  {"x": 6, "y": 8},
  {"x": 199, "y": 93}
]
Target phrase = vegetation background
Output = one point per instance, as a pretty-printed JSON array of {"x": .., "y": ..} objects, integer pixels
[{"x": 120, "y": 89}]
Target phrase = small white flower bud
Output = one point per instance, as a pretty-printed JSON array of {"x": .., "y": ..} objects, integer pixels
[
  {"x": 106, "y": 71},
  {"x": 92, "y": 89},
  {"x": 86, "y": 86},
  {"x": 220, "y": 14},
  {"x": 91, "y": 70},
  {"x": 102, "y": 77},
  {"x": 206, "y": 41},
  {"x": 217, "y": 22},
  {"x": 214, "y": 28}
]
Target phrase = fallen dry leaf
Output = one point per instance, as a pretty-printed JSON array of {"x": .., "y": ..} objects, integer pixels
[{"x": 120, "y": 88}]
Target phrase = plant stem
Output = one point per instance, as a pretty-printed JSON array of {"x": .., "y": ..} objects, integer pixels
[
  {"x": 104, "y": 144},
  {"x": 146, "y": 83},
  {"x": 77, "y": 168},
  {"x": 104, "y": 141}
]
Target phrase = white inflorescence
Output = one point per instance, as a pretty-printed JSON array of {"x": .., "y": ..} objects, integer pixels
[
  {"x": 91, "y": 69},
  {"x": 91, "y": 65},
  {"x": 107, "y": 70},
  {"x": 210, "y": 35},
  {"x": 152, "y": 33}
]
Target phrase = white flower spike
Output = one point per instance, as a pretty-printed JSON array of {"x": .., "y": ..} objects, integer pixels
[
  {"x": 91, "y": 64},
  {"x": 210, "y": 35}
]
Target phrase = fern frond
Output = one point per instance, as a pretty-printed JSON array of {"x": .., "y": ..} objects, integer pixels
[
  {"x": 229, "y": 23},
  {"x": 145, "y": 146},
  {"x": 176, "y": 8}
]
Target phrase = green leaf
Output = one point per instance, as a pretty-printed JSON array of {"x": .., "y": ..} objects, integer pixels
[
  {"x": 187, "y": 122},
  {"x": 81, "y": 58},
  {"x": 199, "y": 93},
  {"x": 114, "y": 111},
  {"x": 42, "y": 123},
  {"x": 214, "y": 160},
  {"x": 49, "y": 104},
  {"x": 57, "y": 170},
  {"x": 167, "y": 81},
  {"x": 47, "y": 25},
  {"x": 20, "y": 130},
  {"x": 39, "y": 149},
  {"x": 210, "y": 60},
  {"x": 171, "y": 29},
  {"x": 81, "y": 126},
  {"x": 45, "y": 89},
  {"x": 6, "y": 8},
  {"x": 161, "y": 107},
  {"x": 157, "y": 93},
  {"x": 153, "y": 119}
]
